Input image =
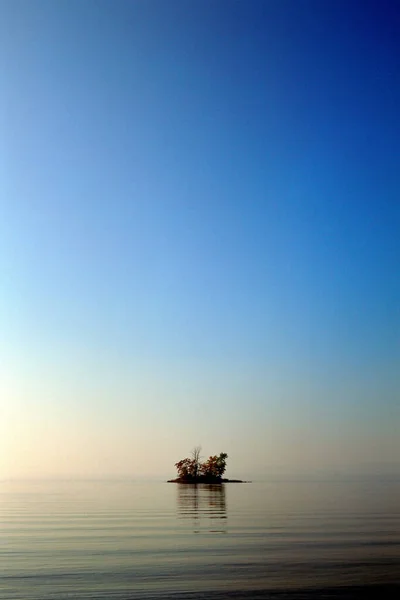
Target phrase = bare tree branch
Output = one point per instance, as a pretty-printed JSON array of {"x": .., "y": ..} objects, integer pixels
[{"x": 196, "y": 459}]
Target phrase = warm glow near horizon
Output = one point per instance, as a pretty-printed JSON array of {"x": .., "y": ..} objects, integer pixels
[{"x": 142, "y": 427}]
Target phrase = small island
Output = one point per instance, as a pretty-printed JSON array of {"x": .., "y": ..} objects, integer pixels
[{"x": 192, "y": 470}]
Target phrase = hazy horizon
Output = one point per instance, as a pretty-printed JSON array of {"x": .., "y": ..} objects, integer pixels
[{"x": 199, "y": 238}]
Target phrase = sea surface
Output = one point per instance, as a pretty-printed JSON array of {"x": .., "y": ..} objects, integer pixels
[{"x": 121, "y": 540}]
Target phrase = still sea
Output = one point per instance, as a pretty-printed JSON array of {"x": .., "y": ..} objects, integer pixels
[{"x": 129, "y": 540}]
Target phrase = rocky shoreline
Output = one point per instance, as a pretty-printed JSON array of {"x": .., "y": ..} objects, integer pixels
[{"x": 205, "y": 480}]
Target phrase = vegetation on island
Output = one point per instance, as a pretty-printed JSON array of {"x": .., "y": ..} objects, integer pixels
[{"x": 192, "y": 470}]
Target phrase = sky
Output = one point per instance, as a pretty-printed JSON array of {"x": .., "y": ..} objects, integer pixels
[{"x": 199, "y": 237}]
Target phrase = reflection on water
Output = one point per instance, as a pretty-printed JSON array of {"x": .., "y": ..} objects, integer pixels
[
  {"x": 152, "y": 541},
  {"x": 203, "y": 503}
]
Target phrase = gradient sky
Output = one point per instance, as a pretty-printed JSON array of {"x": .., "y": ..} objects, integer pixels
[{"x": 199, "y": 236}]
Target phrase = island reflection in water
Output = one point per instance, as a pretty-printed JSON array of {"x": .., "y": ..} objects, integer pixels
[{"x": 204, "y": 504}]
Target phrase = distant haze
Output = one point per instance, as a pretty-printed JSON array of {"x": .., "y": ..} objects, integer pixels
[{"x": 199, "y": 237}]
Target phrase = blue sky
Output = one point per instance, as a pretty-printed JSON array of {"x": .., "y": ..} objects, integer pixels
[{"x": 199, "y": 235}]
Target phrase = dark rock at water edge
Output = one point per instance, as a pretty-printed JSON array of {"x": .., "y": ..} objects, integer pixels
[{"x": 193, "y": 481}]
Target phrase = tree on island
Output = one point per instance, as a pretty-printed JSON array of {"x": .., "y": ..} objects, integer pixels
[
  {"x": 215, "y": 466},
  {"x": 191, "y": 470}
]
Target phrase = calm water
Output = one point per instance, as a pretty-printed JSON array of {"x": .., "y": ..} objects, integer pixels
[{"x": 158, "y": 540}]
